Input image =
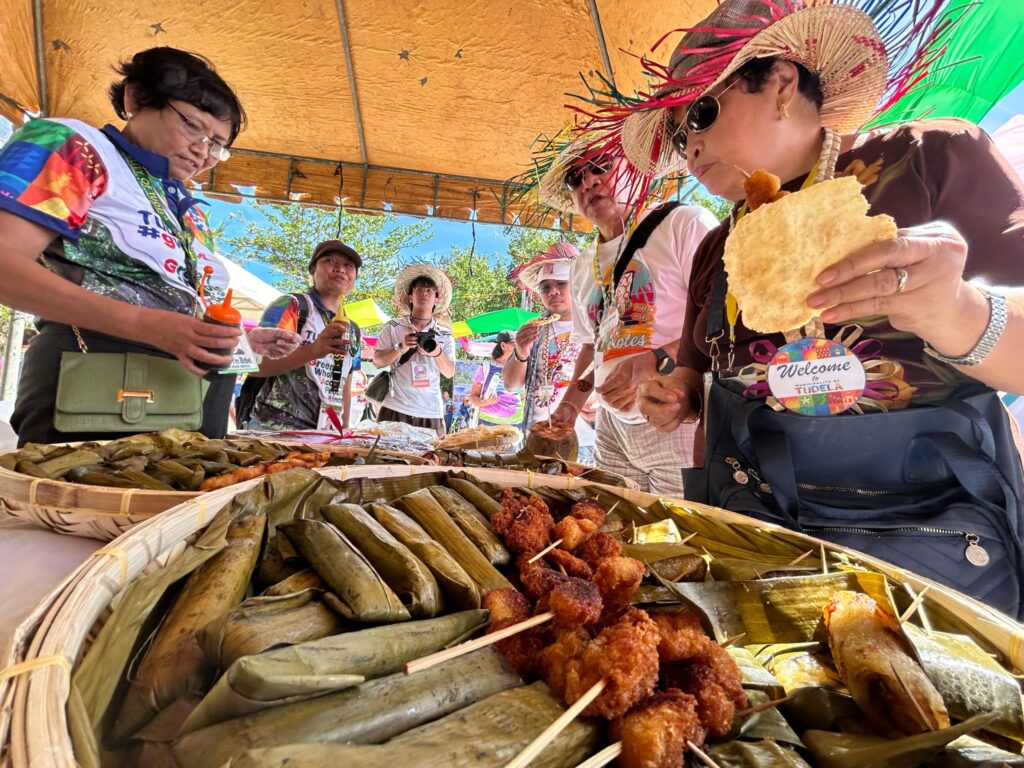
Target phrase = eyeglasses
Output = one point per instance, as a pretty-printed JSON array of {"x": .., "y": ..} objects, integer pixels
[
  {"x": 598, "y": 166},
  {"x": 195, "y": 132},
  {"x": 701, "y": 115}
]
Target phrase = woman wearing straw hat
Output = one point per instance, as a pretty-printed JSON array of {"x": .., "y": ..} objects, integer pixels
[
  {"x": 419, "y": 349},
  {"x": 628, "y": 305},
  {"x": 933, "y": 474}
]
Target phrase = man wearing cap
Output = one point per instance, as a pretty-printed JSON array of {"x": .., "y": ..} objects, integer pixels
[
  {"x": 311, "y": 388},
  {"x": 494, "y": 404},
  {"x": 419, "y": 347}
]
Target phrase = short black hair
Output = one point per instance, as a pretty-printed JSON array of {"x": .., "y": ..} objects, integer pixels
[
  {"x": 422, "y": 280},
  {"x": 755, "y": 74},
  {"x": 169, "y": 73}
]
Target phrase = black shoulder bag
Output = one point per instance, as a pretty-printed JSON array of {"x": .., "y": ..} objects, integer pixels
[
  {"x": 936, "y": 489},
  {"x": 380, "y": 385}
]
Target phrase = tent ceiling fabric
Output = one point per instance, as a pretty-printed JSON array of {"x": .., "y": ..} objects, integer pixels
[{"x": 445, "y": 100}]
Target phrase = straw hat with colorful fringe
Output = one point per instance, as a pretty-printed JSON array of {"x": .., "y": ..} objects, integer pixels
[
  {"x": 410, "y": 273},
  {"x": 547, "y": 265},
  {"x": 866, "y": 54}
]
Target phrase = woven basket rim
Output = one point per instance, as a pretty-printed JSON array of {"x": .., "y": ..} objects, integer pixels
[{"x": 39, "y": 726}]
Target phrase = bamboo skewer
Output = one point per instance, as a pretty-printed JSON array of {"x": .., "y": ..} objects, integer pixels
[
  {"x": 700, "y": 753},
  {"x": 544, "y": 551},
  {"x": 798, "y": 558},
  {"x": 760, "y": 707},
  {"x": 603, "y": 757},
  {"x": 550, "y": 733},
  {"x": 425, "y": 662},
  {"x": 912, "y": 608},
  {"x": 735, "y": 638}
]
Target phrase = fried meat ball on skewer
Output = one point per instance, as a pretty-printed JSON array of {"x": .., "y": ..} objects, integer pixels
[
  {"x": 625, "y": 656},
  {"x": 575, "y": 602},
  {"x": 537, "y": 578},
  {"x": 712, "y": 677},
  {"x": 589, "y": 509},
  {"x": 682, "y": 636},
  {"x": 524, "y": 523},
  {"x": 573, "y": 565},
  {"x": 508, "y": 606},
  {"x": 618, "y": 578},
  {"x": 598, "y": 547},
  {"x": 573, "y": 532},
  {"x": 554, "y": 659},
  {"x": 655, "y": 732}
]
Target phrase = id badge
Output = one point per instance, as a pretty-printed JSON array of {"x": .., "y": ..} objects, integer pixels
[
  {"x": 545, "y": 392},
  {"x": 420, "y": 375},
  {"x": 324, "y": 422},
  {"x": 816, "y": 377}
]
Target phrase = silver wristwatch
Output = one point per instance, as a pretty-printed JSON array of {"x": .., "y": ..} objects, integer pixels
[{"x": 993, "y": 332}]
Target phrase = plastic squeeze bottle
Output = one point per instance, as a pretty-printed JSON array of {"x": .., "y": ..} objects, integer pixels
[{"x": 219, "y": 314}]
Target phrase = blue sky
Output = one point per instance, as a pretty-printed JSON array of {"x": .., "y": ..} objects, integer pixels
[{"x": 491, "y": 238}]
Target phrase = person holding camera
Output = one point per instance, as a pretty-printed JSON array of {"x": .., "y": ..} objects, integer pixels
[{"x": 418, "y": 348}]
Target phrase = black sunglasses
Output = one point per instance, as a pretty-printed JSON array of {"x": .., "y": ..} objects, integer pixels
[
  {"x": 701, "y": 115},
  {"x": 597, "y": 166}
]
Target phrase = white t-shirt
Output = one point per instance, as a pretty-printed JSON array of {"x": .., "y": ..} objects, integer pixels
[
  {"x": 416, "y": 383},
  {"x": 652, "y": 294}
]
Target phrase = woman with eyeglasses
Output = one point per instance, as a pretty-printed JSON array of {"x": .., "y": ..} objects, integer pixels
[
  {"x": 102, "y": 241},
  {"x": 921, "y": 468},
  {"x": 628, "y": 293}
]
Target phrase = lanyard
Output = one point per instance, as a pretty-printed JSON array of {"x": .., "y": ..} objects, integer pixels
[{"x": 175, "y": 228}]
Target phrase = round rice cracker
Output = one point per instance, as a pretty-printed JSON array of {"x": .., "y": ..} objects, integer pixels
[{"x": 774, "y": 254}]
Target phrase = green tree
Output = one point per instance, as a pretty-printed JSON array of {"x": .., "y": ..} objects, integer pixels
[
  {"x": 283, "y": 237},
  {"x": 718, "y": 206},
  {"x": 480, "y": 281}
]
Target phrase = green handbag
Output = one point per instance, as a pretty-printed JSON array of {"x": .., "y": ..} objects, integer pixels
[{"x": 126, "y": 392}]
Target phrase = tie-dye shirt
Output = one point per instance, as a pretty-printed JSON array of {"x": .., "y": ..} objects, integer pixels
[{"x": 74, "y": 180}]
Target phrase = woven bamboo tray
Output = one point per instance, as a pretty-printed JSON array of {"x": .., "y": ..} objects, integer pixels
[
  {"x": 105, "y": 513},
  {"x": 39, "y": 731}
]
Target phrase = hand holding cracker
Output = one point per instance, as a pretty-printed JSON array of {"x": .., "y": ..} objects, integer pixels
[{"x": 933, "y": 302}]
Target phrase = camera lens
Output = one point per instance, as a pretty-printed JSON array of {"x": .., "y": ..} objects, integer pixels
[{"x": 428, "y": 344}]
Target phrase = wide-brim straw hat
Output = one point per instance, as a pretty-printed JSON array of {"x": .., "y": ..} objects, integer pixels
[
  {"x": 410, "y": 273},
  {"x": 865, "y": 53},
  {"x": 533, "y": 272}
]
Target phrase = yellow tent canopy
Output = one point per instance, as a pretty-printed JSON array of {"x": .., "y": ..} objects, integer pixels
[{"x": 422, "y": 108}]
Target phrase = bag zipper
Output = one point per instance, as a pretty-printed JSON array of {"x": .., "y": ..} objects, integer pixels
[{"x": 974, "y": 553}]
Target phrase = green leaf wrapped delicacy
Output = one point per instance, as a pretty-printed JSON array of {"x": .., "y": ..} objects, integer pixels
[
  {"x": 486, "y": 505},
  {"x": 671, "y": 560},
  {"x": 367, "y": 714},
  {"x": 969, "y": 752},
  {"x": 302, "y": 671},
  {"x": 359, "y": 588},
  {"x": 762, "y": 754},
  {"x": 785, "y": 610},
  {"x": 768, "y": 724},
  {"x": 261, "y": 623},
  {"x": 459, "y": 590},
  {"x": 174, "y": 667},
  {"x": 815, "y": 695},
  {"x": 483, "y": 735},
  {"x": 299, "y": 581},
  {"x": 847, "y": 750},
  {"x": 410, "y": 579},
  {"x": 969, "y": 680},
  {"x": 754, "y": 675},
  {"x": 424, "y": 509},
  {"x": 473, "y": 524}
]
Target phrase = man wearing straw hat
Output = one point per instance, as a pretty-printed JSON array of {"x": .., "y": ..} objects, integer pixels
[
  {"x": 544, "y": 356},
  {"x": 418, "y": 348},
  {"x": 629, "y": 303}
]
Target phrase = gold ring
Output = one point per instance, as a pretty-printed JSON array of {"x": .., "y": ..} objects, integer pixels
[{"x": 901, "y": 279}]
